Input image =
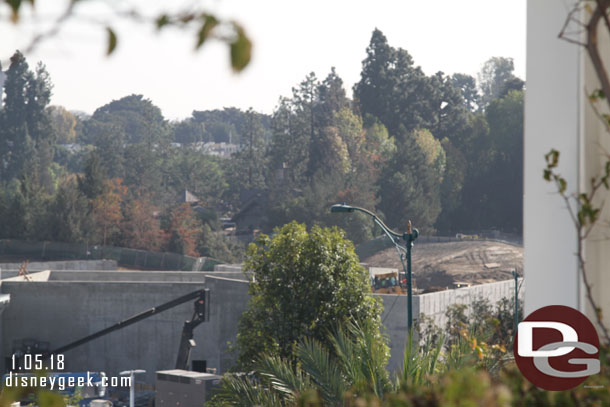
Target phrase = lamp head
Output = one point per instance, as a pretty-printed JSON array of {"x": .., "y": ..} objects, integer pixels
[{"x": 341, "y": 208}]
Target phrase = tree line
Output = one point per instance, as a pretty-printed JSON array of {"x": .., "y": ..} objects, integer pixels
[{"x": 443, "y": 151}]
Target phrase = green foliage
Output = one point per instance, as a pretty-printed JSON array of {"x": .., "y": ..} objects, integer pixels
[
  {"x": 200, "y": 174},
  {"x": 249, "y": 164},
  {"x": 213, "y": 243},
  {"x": 64, "y": 123},
  {"x": 70, "y": 218},
  {"x": 27, "y": 136},
  {"x": 352, "y": 358},
  {"x": 207, "y": 26},
  {"x": 304, "y": 284},
  {"x": 410, "y": 187},
  {"x": 138, "y": 118},
  {"x": 188, "y": 131}
]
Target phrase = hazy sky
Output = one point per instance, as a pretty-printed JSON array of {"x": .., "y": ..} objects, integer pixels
[{"x": 291, "y": 38}]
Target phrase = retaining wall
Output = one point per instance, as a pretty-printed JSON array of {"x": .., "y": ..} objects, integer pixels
[{"x": 435, "y": 305}]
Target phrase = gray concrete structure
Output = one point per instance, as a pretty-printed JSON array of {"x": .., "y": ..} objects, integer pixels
[
  {"x": 8, "y": 270},
  {"x": 434, "y": 305},
  {"x": 61, "y": 306}
]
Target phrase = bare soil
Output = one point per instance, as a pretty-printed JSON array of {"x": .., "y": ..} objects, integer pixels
[{"x": 438, "y": 266}]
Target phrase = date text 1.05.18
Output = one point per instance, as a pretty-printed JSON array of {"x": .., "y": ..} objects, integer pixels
[{"x": 34, "y": 361}]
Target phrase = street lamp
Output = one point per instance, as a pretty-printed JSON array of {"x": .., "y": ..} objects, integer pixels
[
  {"x": 132, "y": 385},
  {"x": 409, "y": 236}
]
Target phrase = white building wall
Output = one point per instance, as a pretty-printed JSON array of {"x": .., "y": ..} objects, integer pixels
[
  {"x": 558, "y": 115},
  {"x": 552, "y": 120}
]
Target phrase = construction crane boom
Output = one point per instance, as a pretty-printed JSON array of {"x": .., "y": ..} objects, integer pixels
[{"x": 200, "y": 315}]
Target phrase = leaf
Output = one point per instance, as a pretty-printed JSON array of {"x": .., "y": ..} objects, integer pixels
[
  {"x": 562, "y": 185},
  {"x": 162, "y": 21},
  {"x": 552, "y": 158},
  {"x": 547, "y": 175},
  {"x": 14, "y": 5},
  {"x": 112, "y": 40},
  {"x": 241, "y": 50},
  {"x": 209, "y": 23}
]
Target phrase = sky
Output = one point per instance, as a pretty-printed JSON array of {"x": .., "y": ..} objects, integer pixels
[{"x": 291, "y": 38}]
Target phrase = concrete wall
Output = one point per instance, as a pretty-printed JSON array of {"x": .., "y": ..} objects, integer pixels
[
  {"x": 60, "y": 312},
  {"x": 11, "y": 269},
  {"x": 74, "y": 304},
  {"x": 229, "y": 299},
  {"x": 144, "y": 276},
  {"x": 434, "y": 305}
]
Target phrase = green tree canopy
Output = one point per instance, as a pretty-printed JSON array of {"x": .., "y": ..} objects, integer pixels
[
  {"x": 305, "y": 284},
  {"x": 140, "y": 120}
]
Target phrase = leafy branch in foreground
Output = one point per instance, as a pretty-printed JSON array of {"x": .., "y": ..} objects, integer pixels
[
  {"x": 585, "y": 216},
  {"x": 206, "y": 26}
]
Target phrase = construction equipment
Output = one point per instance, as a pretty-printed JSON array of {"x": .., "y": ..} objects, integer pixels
[
  {"x": 201, "y": 314},
  {"x": 387, "y": 283}
]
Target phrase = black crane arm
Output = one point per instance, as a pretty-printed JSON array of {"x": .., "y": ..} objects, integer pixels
[{"x": 201, "y": 295}]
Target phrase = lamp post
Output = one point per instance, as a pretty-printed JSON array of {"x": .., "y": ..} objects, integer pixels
[
  {"x": 409, "y": 236},
  {"x": 132, "y": 385}
]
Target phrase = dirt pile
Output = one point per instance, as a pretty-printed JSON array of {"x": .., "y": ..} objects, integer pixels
[{"x": 437, "y": 266}]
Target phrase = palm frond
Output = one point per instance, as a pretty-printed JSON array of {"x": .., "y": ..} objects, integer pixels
[
  {"x": 243, "y": 391},
  {"x": 324, "y": 372},
  {"x": 282, "y": 376}
]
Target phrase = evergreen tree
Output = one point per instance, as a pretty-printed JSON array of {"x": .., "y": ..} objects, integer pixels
[
  {"x": 410, "y": 188},
  {"x": 91, "y": 184},
  {"x": 69, "y": 215},
  {"x": 27, "y": 137}
]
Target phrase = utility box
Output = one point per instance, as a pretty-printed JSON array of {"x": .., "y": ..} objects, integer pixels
[{"x": 183, "y": 388}]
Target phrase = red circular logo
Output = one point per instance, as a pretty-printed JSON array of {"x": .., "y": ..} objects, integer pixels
[{"x": 557, "y": 348}]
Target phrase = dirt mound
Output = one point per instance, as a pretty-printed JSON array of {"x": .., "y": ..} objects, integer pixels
[{"x": 440, "y": 265}]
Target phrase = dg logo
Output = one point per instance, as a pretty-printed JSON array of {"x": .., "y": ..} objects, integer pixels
[{"x": 557, "y": 348}]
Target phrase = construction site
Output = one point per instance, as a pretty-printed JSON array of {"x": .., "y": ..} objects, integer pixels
[{"x": 178, "y": 327}]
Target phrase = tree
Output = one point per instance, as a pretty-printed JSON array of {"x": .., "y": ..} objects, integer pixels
[
  {"x": 140, "y": 228},
  {"x": 109, "y": 141},
  {"x": 505, "y": 118},
  {"x": 372, "y": 92},
  {"x": 107, "y": 210},
  {"x": 198, "y": 173},
  {"x": 139, "y": 119},
  {"x": 70, "y": 220},
  {"x": 27, "y": 137},
  {"x": 410, "y": 184},
  {"x": 188, "y": 131},
  {"x": 183, "y": 231},
  {"x": 65, "y": 124},
  {"x": 398, "y": 93},
  {"x": 92, "y": 182},
  {"x": 251, "y": 159},
  {"x": 493, "y": 76},
  {"x": 304, "y": 284},
  {"x": 27, "y": 211},
  {"x": 467, "y": 86}
]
